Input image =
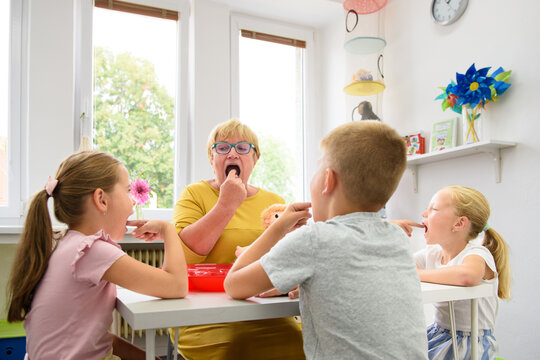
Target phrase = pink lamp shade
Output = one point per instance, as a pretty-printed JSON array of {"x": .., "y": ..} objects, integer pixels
[{"x": 364, "y": 6}]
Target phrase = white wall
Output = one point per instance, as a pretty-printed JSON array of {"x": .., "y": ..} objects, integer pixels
[
  {"x": 50, "y": 88},
  {"x": 422, "y": 56}
]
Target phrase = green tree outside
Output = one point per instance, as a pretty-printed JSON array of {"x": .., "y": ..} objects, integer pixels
[
  {"x": 275, "y": 169},
  {"x": 134, "y": 119}
]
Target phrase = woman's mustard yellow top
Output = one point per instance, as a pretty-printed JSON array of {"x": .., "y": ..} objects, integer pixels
[
  {"x": 245, "y": 226},
  {"x": 261, "y": 339}
]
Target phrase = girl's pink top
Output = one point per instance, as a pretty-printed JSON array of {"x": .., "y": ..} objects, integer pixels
[{"x": 72, "y": 307}]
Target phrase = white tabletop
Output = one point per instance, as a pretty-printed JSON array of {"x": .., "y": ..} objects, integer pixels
[
  {"x": 198, "y": 308},
  {"x": 437, "y": 293}
]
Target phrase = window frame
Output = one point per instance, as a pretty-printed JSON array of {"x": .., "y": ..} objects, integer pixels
[
  {"x": 84, "y": 89},
  {"x": 239, "y": 22},
  {"x": 17, "y": 114}
]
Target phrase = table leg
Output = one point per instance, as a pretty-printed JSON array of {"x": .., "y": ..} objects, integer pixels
[
  {"x": 474, "y": 329},
  {"x": 453, "y": 329},
  {"x": 150, "y": 344},
  {"x": 175, "y": 351}
]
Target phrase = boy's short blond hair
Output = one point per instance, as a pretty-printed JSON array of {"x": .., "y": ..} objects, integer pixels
[
  {"x": 369, "y": 158},
  {"x": 233, "y": 128}
]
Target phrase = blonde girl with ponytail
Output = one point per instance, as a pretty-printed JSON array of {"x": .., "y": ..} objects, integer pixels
[{"x": 454, "y": 219}]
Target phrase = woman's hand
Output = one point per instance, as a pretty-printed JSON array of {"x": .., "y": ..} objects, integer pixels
[
  {"x": 406, "y": 225},
  {"x": 232, "y": 192},
  {"x": 202, "y": 235}
]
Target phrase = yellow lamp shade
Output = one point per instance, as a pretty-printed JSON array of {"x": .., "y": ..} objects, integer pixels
[{"x": 364, "y": 88}]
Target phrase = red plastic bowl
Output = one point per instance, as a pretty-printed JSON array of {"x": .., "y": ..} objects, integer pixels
[{"x": 207, "y": 277}]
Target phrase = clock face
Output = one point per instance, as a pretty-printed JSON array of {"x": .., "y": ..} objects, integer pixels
[{"x": 445, "y": 12}]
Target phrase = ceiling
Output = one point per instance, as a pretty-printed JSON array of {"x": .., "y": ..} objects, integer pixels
[{"x": 313, "y": 13}]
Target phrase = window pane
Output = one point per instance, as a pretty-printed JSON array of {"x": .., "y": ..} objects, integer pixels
[
  {"x": 4, "y": 96},
  {"x": 271, "y": 103},
  {"x": 134, "y": 96}
]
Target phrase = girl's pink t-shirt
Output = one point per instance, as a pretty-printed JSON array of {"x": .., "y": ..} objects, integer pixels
[{"x": 72, "y": 307}]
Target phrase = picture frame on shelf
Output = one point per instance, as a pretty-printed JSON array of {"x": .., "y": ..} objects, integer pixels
[
  {"x": 416, "y": 143},
  {"x": 443, "y": 135}
]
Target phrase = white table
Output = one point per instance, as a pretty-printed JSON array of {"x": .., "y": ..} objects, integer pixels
[
  {"x": 148, "y": 313},
  {"x": 432, "y": 293}
]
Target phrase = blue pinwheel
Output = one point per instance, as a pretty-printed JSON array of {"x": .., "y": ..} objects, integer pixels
[
  {"x": 471, "y": 91},
  {"x": 473, "y": 87}
]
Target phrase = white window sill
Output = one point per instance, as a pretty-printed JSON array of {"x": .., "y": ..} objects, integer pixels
[{"x": 10, "y": 234}]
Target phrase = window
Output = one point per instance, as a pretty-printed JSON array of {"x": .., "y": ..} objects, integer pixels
[
  {"x": 134, "y": 92},
  {"x": 270, "y": 90},
  {"x": 12, "y": 63}
]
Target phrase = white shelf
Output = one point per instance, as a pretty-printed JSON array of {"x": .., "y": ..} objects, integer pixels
[{"x": 492, "y": 147}]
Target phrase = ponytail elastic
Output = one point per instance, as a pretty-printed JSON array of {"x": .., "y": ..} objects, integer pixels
[
  {"x": 486, "y": 227},
  {"x": 50, "y": 185}
]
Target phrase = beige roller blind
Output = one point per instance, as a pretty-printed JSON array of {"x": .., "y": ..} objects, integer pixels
[
  {"x": 137, "y": 9},
  {"x": 273, "y": 38}
]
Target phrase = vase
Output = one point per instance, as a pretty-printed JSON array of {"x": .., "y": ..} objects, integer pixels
[
  {"x": 473, "y": 124},
  {"x": 138, "y": 212}
]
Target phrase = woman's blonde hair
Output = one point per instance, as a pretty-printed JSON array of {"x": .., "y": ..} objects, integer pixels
[
  {"x": 78, "y": 177},
  {"x": 233, "y": 128},
  {"x": 369, "y": 158},
  {"x": 473, "y": 204}
]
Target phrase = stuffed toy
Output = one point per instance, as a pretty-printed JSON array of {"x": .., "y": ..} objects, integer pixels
[
  {"x": 268, "y": 216},
  {"x": 362, "y": 75},
  {"x": 271, "y": 213}
]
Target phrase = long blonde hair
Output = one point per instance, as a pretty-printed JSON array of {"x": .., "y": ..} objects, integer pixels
[
  {"x": 78, "y": 176},
  {"x": 474, "y": 205}
]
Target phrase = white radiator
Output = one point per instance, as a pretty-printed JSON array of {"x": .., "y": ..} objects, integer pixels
[{"x": 153, "y": 257}]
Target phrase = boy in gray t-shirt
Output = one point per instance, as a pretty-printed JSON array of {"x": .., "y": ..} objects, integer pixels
[{"x": 360, "y": 294}]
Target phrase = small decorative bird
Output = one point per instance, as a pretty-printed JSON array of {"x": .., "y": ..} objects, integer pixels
[{"x": 366, "y": 112}]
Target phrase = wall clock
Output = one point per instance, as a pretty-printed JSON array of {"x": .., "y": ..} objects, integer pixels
[{"x": 446, "y": 12}]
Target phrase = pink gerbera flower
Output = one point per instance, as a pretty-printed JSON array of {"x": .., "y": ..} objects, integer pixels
[{"x": 140, "y": 191}]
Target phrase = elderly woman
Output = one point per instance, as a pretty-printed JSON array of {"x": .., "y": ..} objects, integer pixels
[{"x": 212, "y": 218}]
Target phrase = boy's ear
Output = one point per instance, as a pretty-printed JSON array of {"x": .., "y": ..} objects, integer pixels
[
  {"x": 99, "y": 199},
  {"x": 461, "y": 223},
  {"x": 330, "y": 181}
]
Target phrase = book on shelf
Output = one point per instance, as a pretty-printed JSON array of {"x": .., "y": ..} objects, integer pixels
[
  {"x": 416, "y": 143},
  {"x": 443, "y": 135}
]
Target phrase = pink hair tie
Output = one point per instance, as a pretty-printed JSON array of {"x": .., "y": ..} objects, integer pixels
[{"x": 50, "y": 185}]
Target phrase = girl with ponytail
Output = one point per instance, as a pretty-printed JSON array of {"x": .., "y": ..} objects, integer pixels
[
  {"x": 455, "y": 216},
  {"x": 65, "y": 289}
]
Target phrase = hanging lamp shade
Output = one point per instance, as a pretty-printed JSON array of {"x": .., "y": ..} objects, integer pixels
[
  {"x": 365, "y": 45},
  {"x": 364, "y": 88},
  {"x": 364, "y": 6}
]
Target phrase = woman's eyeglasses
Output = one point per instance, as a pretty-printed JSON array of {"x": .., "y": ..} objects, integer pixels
[{"x": 242, "y": 148}]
